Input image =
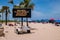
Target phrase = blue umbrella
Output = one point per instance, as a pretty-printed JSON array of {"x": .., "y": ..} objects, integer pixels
[{"x": 57, "y": 21}]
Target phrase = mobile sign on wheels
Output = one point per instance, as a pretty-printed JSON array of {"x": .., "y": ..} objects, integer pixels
[{"x": 22, "y": 13}]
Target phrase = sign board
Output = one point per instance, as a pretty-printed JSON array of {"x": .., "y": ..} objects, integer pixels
[{"x": 21, "y": 13}]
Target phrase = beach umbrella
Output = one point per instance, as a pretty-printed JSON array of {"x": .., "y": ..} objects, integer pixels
[
  {"x": 7, "y": 10},
  {"x": 57, "y": 21},
  {"x": 52, "y": 19}
]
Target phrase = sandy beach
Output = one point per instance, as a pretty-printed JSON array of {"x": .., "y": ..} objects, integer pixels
[{"x": 42, "y": 32}]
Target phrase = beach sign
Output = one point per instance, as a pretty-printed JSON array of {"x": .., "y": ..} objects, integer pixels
[{"x": 22, "y": 12}]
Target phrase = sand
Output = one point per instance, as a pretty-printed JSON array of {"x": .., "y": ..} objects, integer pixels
[{"x": 42, "y": 32}]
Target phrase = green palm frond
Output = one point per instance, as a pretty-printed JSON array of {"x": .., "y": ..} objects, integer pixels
[
  {"x": 2, "y": 10},
  {"x": 9, "y": 11},
  {"x": 11, "y": 1},
  {"x": 22, "y": 3},
  {"x": 5, "y": 7},
  {"x": 27, "y": 1},
  {"x": 31, "y": 6},
  {"x": 26, "y": 4},
  {"x": 16, "y": 6}
]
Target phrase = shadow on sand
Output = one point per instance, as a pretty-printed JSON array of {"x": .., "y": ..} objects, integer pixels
[
  {"x": 26, "y": 33},
  {"x": 33, "y": 29},
  {"x": 3, "y": 35}
]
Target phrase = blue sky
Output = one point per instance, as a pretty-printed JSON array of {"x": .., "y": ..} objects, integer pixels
[{"x": 43, "y": 9}]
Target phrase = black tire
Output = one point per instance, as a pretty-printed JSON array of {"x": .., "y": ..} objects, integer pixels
[
  {"x": 57, "y": 25},
  {"x": 17, "y": 31},
  {"x": 28, "y": 31}
]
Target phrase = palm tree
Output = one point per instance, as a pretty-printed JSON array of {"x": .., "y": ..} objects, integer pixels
[
  {"x": 5, "y": 9},
  {"x": 0, "y": 15},
  {"x": 11, "y": 2},
  {"x": 27, "y": 4}
]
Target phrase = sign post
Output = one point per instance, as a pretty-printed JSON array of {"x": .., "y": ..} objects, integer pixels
[
  {"x": 22, "y": 13},
  {"x": 21, "y": 21}
]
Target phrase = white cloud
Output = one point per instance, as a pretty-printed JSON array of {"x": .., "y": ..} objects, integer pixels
[{"x": 37, "y": 15}]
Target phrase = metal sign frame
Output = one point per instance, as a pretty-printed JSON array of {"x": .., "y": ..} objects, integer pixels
[{"x": 22, "y": 12}]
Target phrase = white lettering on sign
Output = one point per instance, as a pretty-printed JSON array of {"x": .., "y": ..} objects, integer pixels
[{"x": 21, "y": 13}]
